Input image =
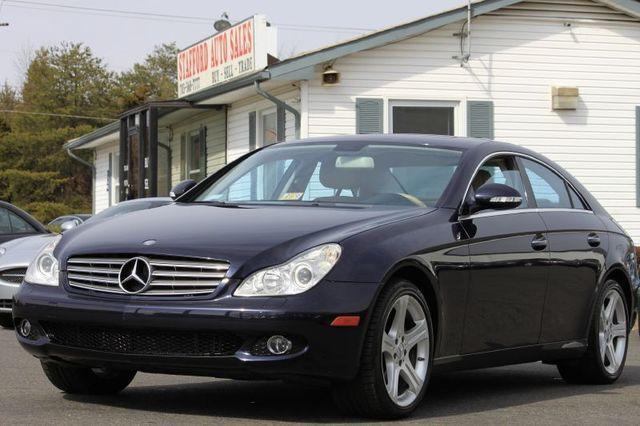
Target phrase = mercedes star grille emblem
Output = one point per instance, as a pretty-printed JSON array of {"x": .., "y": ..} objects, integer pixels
[{"x": 135, "y": 275}]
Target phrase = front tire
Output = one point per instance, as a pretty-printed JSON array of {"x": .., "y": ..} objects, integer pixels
[
  {"x": 87, "y": 381},
  {"x": 396, "y": 357},
  {"x": 608, "y": 341}
]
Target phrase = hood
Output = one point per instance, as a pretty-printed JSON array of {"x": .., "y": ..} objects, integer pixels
[
  {"x": 237, "y": 235},
  {"x": 20, "y": 252}
]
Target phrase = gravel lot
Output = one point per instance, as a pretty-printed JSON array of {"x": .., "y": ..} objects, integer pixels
[{"x": 526, "y": 394}]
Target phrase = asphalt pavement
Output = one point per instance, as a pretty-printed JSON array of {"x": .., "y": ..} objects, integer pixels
[{"x": 523, "y": 394}]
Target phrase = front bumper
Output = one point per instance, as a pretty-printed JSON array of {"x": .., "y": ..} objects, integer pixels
[{"x": 320, "y": 350}]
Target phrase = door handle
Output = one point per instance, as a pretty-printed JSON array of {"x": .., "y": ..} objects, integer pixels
[
  {"x": 539, "y": 242},
  {"x": 593, "y": 239}
]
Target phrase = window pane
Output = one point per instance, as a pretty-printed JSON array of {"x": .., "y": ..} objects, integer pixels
[
  {"x": 18, "y": 224},
  {"x": 575, "y": 199},
  {"x": 315, "y": 188},
  {"x": 269, "y": 129},
  {"x": 5, "y": 225},
  {"x": 548, "y": 188},
  {"x": 259, "y": 183},
  {"x": 375, "y": 174},
  {"x": 501, "y": 170},
  {"x": 425, "y": 120}
]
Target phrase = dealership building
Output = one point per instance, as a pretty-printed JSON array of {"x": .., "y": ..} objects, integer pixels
[{"x": 561, "y": 77}]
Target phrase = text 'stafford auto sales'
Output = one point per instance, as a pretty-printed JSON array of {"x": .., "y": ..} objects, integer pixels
[
  {"x": 225, "y": 56},
  {"x": 559, "y": 77}
]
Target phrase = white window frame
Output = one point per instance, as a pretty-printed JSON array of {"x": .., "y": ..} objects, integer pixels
[
  {"x": 458, "y": 124},
  {"x": 260, "y": 126}
]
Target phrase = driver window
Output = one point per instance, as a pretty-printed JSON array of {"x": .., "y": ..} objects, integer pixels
[{"x": 501, "y": 170}]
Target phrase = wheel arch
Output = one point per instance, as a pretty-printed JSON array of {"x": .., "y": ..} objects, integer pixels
[
  {"x": 417, "y": 273},
  {"x": 618, "y": 274}
]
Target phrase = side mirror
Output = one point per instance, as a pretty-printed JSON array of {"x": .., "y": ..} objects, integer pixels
[
  {"x": 181, "y": 188},
  {"x": 495, "y": 196},
  {"x": 68, "y": 225}
]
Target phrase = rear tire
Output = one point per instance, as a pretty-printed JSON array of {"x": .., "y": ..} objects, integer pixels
[
  {"x": 87, "y": 381},
  {"x": 396, "y": 357},
  {"x": 6, "y": 321},
  {"x": 608, "y": 341}
]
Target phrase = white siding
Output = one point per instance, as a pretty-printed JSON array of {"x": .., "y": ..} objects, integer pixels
[
  {"x": 238, "y": 118},
  {"x": 101, "y": 185},
  {"x": 514, "y": 63}
]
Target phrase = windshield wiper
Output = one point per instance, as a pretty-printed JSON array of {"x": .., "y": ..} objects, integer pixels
[{"x": 216, "y": 203}]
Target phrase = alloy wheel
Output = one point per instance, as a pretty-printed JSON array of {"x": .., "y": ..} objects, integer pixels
[
  {"x": 405, "y": 350},
  {"x": 612, "y": 333}
]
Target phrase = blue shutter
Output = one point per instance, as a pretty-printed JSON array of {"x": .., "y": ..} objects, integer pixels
[
  {"x": 369, "y": 115},
  {"x": 203, "y": 151},
  {"x": 480, "y": 119},
  {"x": 638, "y": 156},
  {"x": 183, "y": 156}
]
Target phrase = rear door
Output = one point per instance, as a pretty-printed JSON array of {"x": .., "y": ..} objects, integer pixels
[
  {"x": 509, "y": 261},
  {"x": 577, "y": 244}
]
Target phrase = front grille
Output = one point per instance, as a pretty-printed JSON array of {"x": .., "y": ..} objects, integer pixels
[
  {"x": 6, "y": 304},
  {"x": 170, "y": 276},
  {"x": 13, "y": 276},
  {"x": 147, "y": 342}
]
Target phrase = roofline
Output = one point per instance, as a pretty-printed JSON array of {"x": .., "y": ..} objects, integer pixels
[
  {"x": 631, "y": 7},
  {"x": 239, "y": 83},
  {"x": 100, "y": 132},
  {"x": 386, "y": 36}
]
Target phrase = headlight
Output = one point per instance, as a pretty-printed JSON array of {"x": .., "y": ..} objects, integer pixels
[
  {"x": 43, "y": 269},
  {"x": 296, "y": 276},
  {"x": 2, "y": 251}
]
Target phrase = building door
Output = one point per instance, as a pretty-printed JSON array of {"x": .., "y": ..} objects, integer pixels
[{"x": 435, "y": 118}]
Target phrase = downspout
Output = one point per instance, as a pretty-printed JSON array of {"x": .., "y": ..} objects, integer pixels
[
  {"x": 93, "y": 177},
  {"x": 281, "y": 103}
]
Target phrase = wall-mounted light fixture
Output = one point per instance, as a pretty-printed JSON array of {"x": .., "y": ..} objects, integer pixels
[
  {"x": 564, "y": 98},
  {"x": 330, "y": 77}
]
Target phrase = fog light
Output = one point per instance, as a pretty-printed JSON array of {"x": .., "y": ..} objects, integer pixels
[
  {"x": 279, "y": 345},
  {"x": 25, "y": 328}
]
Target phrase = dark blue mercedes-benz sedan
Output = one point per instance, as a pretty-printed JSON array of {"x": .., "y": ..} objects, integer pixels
[{"x": 364, "y": 261}]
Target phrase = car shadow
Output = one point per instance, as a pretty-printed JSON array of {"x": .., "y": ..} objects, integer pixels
[{"x": 448, "y": 395}]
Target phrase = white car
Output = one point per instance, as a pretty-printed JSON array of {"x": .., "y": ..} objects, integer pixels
[{"x": 16, "y": 255}]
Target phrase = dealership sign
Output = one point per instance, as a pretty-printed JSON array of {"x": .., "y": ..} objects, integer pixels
[{"x": 237, "y": 51}]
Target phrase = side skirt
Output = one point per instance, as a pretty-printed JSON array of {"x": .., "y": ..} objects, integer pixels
[{"x": 548, "y": 352}]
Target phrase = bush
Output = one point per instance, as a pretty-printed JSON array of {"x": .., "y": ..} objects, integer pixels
[{"x": 46, "y": 211}]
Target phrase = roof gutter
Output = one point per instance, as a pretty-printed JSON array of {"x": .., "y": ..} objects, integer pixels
[
  {"x": 282, "y": 104},
  {"x": 93, "y": 175}
]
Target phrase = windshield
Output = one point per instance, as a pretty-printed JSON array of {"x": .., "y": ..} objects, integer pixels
[{"x": 313, "y": 174}]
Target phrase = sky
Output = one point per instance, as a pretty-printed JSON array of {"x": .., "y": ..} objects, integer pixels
[{"x": 121, "y": 40}]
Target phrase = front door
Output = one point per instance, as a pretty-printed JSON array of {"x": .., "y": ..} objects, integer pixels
[{"x": 508, "y": 268}]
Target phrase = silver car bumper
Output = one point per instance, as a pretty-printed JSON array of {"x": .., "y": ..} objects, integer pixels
[{"x": 8, "y": 289}]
